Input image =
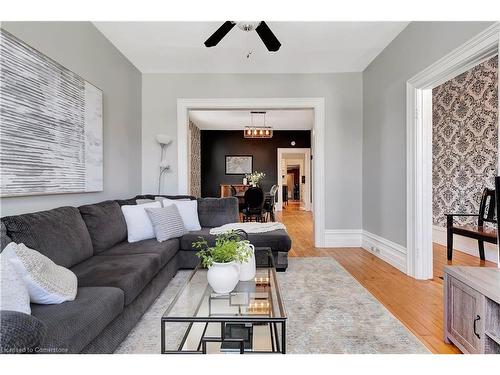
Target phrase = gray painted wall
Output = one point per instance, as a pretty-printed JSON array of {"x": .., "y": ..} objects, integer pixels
[
  {"x": 343, "y": 95},
  {"x": 80, "y": 47},
  {"x": 384, "y": 118}
]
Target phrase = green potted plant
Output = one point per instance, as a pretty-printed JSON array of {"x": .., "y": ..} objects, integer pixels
[{"x": 223, "y": 260}]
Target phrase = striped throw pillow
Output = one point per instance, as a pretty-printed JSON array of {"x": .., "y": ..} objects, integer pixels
[{"x": 167, "y": 222}]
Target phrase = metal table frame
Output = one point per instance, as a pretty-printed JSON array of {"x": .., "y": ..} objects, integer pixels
[{"x": 278, "y": 343}]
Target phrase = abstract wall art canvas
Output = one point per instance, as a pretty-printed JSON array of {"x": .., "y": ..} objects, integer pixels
[
  {"x": 51, "y": 138},
  {"x": 239, "y": 164}
]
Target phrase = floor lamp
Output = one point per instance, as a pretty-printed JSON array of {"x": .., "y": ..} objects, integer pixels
[{"x": 164, "y": 141}]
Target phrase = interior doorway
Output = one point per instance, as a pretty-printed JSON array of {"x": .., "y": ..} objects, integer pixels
[
  {"x": 317, "y": 105},
  {"x": 294, "y": 178},
  {"x": 419, "y": 144}
]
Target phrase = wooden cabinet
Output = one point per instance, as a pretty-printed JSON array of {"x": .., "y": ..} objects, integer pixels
[
  {"x": 472, "y": 309},
  {"x": 465, "y": 320}
]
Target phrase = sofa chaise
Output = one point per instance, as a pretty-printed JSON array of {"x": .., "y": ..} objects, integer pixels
[{"x": 117, "y": 280}]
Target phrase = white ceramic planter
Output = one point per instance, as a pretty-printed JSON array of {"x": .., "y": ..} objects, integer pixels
[
  {"x": 223, "y": 277},
  {"x": 247, "y": 269}
]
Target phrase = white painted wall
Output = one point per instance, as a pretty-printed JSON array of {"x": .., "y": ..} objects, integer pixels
[{"x": 343, "y": 147}]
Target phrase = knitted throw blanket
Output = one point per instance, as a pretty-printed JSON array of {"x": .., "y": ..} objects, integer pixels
[{"x": 251, "y": 227}]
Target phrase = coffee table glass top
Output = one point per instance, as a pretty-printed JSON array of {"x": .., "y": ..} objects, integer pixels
[{"x": 249, "y": 311}]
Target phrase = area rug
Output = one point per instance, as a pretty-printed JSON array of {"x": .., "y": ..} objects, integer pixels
[{"x": 328, "y": 312}]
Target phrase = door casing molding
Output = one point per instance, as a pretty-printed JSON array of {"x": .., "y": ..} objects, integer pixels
[
  {"x": 317, "y": 149},
  {"x": 419, "y": 143},
  {"x": 307, "y": 174}
]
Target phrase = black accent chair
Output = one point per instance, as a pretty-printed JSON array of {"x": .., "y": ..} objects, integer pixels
[
  {"x": 481, "y": 233},
  {"x": 270, "y": 202},
  {"x": 254, "y": 205}
]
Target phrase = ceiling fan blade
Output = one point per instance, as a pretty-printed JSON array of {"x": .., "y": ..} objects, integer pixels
[
  {"x": 272, "y": 43},
  {"x": 221, "y": 32}
]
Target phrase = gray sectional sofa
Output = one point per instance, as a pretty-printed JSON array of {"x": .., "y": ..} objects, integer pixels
[{"x": 117, "y": 280}]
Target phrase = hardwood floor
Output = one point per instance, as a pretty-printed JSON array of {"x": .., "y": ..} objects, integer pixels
[{"x": 417, "y": 304}]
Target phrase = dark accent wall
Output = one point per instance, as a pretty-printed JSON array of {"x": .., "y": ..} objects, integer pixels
[{"x": 216, "y": 144}]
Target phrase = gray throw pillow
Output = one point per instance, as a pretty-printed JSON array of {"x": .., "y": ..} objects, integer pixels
[{"x": 167, "y": 222}]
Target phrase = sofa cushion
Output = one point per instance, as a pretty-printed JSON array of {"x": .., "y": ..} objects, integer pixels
[
  {"x": 60, "y": 234},
  {"x": 130, "y": 273},
  {"x": 166, "y": 249},
  {"x": 214, "y": 212},
  {"x": 105, "y": 223},
  {"x": 277, "y": 240},
  {"x": 126, "y": 202},
  {"x": 20, "y": 333},
  {"x": 154, "y": 196},
  {"x": 72, "y": 325},
  {"x": 4, "y": 239}
]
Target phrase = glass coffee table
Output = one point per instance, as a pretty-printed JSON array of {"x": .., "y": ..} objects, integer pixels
[{"x": 251, "y": 319}]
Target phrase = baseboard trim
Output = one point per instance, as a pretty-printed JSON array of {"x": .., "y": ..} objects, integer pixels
[
  {"x": 343, "y": 237},
  {"x": 388, "y": 251},
  {"x": 464, "y": 244}
]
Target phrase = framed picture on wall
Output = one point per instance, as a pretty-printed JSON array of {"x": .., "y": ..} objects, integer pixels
[
  {"x": 239, "y": 164},
  {"x": 51, "y": 133}
]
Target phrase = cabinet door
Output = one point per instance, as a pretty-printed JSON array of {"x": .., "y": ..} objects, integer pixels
[{"x": 465, "y": 316}]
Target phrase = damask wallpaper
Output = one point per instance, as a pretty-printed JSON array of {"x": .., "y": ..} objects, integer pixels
[
  {"x": 195, "y": 159},
  {"x": 465, "y": 140}
]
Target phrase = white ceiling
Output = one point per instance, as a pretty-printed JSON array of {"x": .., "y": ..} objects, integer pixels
[
  {"x": 307, "y": 47},
  {"x": 289, "y": 119}
]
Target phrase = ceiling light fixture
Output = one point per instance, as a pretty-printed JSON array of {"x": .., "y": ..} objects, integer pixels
[{"x": 258, "y": 131}]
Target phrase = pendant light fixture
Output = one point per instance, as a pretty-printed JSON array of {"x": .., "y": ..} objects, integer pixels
[{"x": 258, "y": 131}]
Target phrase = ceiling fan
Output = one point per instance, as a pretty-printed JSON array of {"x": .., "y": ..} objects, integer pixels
[{"x": 271, "y": 42}]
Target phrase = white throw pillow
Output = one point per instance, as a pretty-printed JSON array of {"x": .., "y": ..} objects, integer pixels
[
  {"x": 47, "y": 282},
  {"x": 139, "y": 226},
  {"x": 188, "y": 210},
  {"x": 14, "y": 294}
]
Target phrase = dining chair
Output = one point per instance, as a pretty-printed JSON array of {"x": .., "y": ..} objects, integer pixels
[
  {"x": 233, "y": 191},
  {"x": 478, "y": 231},
  {"x": 253, "y": 205},
  {"x": 270, "y": 202}
]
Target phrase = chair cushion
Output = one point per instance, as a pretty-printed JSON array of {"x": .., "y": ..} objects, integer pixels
[
  {"x": 105, "y": 223},
  {"x": 60, "y": 234},
  {"x": 166, "y": 249},
  {"x": 214, "y": 212},
  {"x": 130, "y": 273},
  {"x": 277, "y": 240},
  {"x": 72, "y": 325}
]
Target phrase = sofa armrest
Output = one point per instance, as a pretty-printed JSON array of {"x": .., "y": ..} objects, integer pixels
[
  {"x": 214, "y": 212},
  {"x": 20, "y": 333}
]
